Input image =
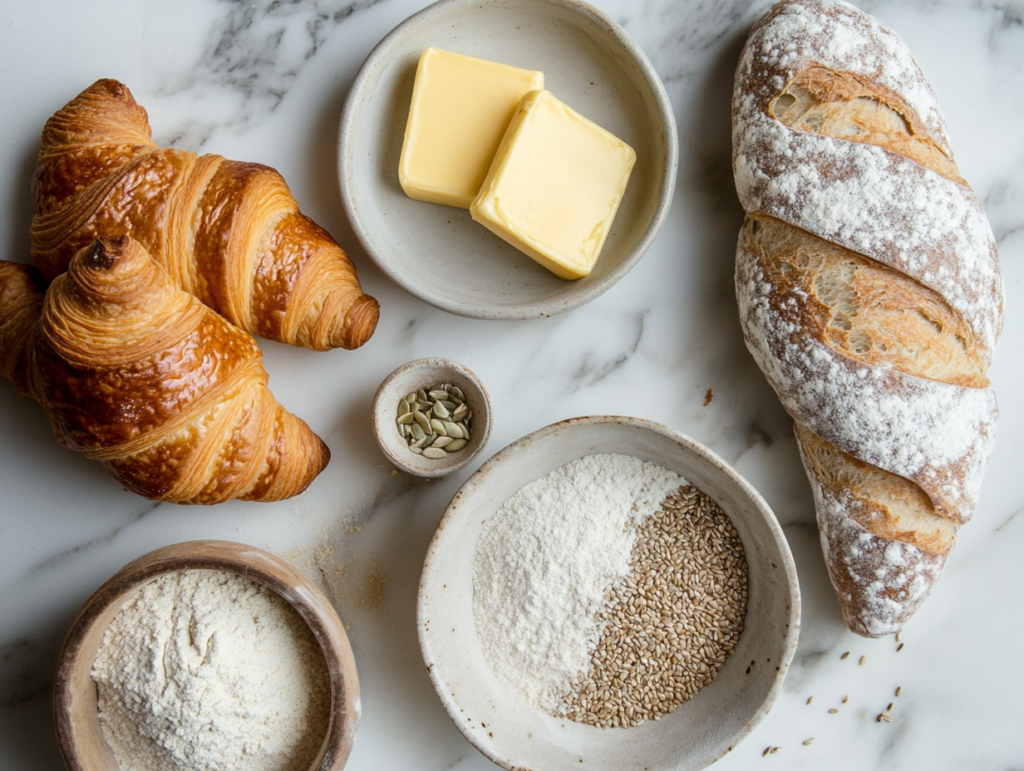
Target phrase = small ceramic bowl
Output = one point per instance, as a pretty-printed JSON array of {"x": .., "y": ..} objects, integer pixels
[
  {"x": 79, "y": 733},
  {"x": 426, "y": 373},
  {"x": 518, "y": 735},
  {"x": 437, "y": 252}
]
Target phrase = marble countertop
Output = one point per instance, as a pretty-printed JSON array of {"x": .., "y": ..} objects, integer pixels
[{"x": 265, "y": 81}]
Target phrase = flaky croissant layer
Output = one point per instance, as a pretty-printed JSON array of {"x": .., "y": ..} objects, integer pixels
[
  {"x": 228, "y": 232},
  {"x": 133, "y": 372}
]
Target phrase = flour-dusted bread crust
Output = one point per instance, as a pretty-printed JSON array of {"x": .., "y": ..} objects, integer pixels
[{"x": 869, "y": 293}]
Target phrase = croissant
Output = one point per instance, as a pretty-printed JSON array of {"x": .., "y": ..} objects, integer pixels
[
  {"x": 228, "y": 232},
  {"x": 869, "y": 294},
  {"x": 139, "y": 375}
]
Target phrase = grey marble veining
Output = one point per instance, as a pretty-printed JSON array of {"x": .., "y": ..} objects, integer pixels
[{"x": 265, "y": 81}]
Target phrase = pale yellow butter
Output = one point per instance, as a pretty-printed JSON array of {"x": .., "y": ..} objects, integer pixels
[
  {"x": 555, "y": 185},
  {"x": 460, "y": 109}
]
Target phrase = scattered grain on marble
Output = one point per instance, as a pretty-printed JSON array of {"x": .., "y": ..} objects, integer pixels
[
  {"x": 863, "y": 659},
  {"x": 899, "y": 690},
  {"x": 845, "y": 699},
  {"x": 774, "y": 750},
  {"x": 845, "y": 656},
  {"x": 766, "y": 751},
  {"x": 899, "y": 647},
  {"x": 670, "y": 626},
  {"x": 810, "y": 699},
  {"x": 807, "y": 742},
  {"x": 899, "y": 636},
  {"x": 833, "y": 711},
  {"x": 885, "y": 717}
]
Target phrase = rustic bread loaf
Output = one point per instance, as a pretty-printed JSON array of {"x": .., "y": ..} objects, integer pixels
[{"x": 869, "y": 294}]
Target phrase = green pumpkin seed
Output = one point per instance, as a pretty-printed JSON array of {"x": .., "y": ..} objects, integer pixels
[
  {"x": 424, "y": 422},
  {"x": 436, "y": 420}
]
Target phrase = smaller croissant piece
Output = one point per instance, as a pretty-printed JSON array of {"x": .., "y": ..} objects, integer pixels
[
  {"x": 139, "y": 375},
  {"x": 228, "y": 232}
]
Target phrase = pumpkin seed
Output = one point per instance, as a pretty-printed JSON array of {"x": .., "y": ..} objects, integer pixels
[
  {"x": 435, "y": 421},
  {"x": 424, "y": 422}
]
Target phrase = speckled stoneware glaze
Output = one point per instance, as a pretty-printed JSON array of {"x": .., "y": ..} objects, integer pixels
[
  {"x": 437, "y": 252},
  {"x": 519, "y": 736},
  {"x": 425, "y": 373},
  {"x": 74, "y": 700}
]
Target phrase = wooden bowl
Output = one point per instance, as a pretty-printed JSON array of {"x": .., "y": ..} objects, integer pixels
[
  {"x": 518, "y": 735},
  {"x": 76, "y": 718}
]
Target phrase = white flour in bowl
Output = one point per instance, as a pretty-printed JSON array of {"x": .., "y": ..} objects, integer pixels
[
  {"x": 544, "y": 565},
  {"x": 207, "y": 670}
]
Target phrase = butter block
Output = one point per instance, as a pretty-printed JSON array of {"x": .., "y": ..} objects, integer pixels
[
  {"x": 460, "y": 109},
  {"x": 555, "y": 185}
]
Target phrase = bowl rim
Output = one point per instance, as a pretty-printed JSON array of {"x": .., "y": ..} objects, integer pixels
[
  {"x": 381, "y": 415},
  {"x": 250, "y": 562},
  {"x": 453, "y": 510},
  {"x": 548, "y": 306}
]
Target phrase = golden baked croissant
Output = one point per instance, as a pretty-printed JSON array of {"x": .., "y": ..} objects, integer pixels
[
  {"x": 227, "y": 232},
  {"x": 144, "y": 378},
  {"x": 869, "y": 294}
]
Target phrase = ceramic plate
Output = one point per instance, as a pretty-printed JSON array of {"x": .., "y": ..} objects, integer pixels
[{"x": 437, "y": 252}]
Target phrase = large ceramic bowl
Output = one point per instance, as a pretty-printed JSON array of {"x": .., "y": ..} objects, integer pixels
[
  {"x": 437, "y": 252},
  {"x": 518, "y": 735}
]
